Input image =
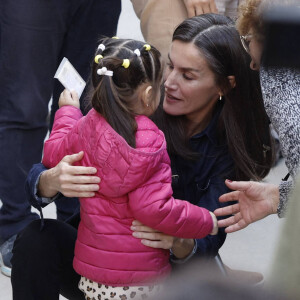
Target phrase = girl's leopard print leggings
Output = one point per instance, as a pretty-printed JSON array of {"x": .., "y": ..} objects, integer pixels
[{"x": 96, "y": 291}]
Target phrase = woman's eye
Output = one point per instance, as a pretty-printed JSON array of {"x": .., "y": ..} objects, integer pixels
[
  {"x": 187, "y": 77},
  {"x": 170, "y": 66}
]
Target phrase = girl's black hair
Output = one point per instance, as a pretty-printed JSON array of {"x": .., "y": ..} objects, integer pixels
[
  {"x": 243, "y": 124},
  {"x": 115, "y": 97}
]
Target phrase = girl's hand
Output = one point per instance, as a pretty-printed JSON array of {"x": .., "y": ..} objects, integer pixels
[
  {"x": 68, "y": 98},
  {"x": 215, "y": 224}
]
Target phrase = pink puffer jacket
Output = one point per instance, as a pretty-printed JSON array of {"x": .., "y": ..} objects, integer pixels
[{"x": 135, "y": 185}]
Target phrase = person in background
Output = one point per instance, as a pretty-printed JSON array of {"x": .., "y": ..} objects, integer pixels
[
  {"x": 160, "y": 18},
  {"x": 281, "y": 94},
  {"x": 35, "y": 36},
  {"x": 215, "y": 125}
]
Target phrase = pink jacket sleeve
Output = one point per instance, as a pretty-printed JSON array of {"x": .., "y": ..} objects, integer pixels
[
  {"x": 62, "y": 136},
  {"x": 153, "y": 205}
]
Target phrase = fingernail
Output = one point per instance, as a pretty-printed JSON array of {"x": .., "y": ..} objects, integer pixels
[
  {"x": 132, "y": 228},
  {"x": 228, "y": 180},
  {"x": 135, "y": 234}
]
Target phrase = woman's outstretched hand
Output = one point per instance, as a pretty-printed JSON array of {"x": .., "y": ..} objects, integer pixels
[
  {"x": 199, "y": 7},
  {"x": 68, "y": 98},
  {"x": 256, "y": 200},
  {"x": 71, "y": 181}
]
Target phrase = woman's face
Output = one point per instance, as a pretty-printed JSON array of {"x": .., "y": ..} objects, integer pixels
[
  {"x": 190, "y": 87},
  {"x": 255, "y": 49}
]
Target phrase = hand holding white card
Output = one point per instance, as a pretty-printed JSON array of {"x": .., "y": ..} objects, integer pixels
[{"x": 69, "y": 77}]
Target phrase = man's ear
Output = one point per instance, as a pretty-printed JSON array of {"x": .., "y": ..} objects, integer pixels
[
  {"x": 147, "y": 95},
  {"x": 231, "y": 80}
]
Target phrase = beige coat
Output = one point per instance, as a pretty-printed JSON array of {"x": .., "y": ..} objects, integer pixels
[{"x": 160, "y": 17}]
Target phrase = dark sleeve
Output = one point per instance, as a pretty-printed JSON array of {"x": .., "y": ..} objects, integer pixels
[
  {"x": 210, "y": 245},
  {"x": 207, "y": 190},
  {"x": 31, "y": 188}
]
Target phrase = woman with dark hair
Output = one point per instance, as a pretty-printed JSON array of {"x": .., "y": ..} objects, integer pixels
[
  {"x": 213, "y": 119},
  {"x": 211, "y": 113}
]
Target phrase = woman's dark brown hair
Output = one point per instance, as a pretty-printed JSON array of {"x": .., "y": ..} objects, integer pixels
[
  {"x": 115, "y": 97},
  {"x": 243, "y": 123}
]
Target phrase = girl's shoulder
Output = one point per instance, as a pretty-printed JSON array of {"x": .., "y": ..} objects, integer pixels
[{"x": 148, "y": 136}]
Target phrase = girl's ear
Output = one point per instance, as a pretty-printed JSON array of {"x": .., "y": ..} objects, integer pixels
[
  {"x": 231, "y": 80},
  {"x": 147, "y": 95}
]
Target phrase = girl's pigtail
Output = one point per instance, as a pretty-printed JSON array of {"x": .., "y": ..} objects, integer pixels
[{"x": 107, "y": 102}]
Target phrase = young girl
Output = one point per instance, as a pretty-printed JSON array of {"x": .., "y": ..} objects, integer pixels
[{"x": 130, "y": 154}]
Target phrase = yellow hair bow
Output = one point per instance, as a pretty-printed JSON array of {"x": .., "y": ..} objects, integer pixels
[
  {"x": 126, "y": 63},
  {"x": 97, "y": 57},
  {"x": 147, "y": 47}
]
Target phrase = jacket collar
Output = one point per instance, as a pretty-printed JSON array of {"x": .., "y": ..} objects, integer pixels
[{"x": 211, "y": 129}]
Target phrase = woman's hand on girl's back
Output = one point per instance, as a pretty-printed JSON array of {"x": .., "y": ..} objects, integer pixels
[
  {"x": 68, "y": 98},
  {"x": 150, "y": 237},
  {"x": 71, "y": 181}
]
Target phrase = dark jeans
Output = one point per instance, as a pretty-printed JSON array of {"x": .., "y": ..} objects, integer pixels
[
  {"x": 42, "y": 262},
  {"x": 34, "y": 36}
]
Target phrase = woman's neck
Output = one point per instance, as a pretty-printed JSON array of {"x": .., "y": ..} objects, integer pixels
[{"x": 195, "y": 126}]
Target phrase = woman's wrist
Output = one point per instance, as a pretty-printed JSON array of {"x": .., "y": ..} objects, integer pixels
[
  {"x": 182, "y": 248},
  {"x": 274, "y": 198},
  {"x": 45, "y": 188}
]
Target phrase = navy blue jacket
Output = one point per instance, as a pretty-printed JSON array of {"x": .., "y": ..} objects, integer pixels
[{"x": 202, "y": 182}]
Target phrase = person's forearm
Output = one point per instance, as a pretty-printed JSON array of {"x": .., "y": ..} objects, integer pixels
[
  {"x": 45, "y": 187},
  {"x": 183, "y": 247}
]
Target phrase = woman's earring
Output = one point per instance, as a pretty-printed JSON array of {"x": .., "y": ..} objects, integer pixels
[
  {"x": 147, "y": 104},
  {"x": 220, "y": 99}
]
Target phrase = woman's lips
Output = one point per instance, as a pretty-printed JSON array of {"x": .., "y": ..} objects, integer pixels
[{"x": 171, "y": 98}]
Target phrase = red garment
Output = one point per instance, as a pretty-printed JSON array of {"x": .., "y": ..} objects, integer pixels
[{"x": 135, "y": 185}]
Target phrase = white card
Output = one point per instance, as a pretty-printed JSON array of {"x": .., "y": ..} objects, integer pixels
[{"x": 69, "y": 77}]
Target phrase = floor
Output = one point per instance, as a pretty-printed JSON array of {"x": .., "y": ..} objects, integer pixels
[{"x": 251, "y": 249}]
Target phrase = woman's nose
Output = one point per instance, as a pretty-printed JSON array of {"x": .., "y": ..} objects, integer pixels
[{"x": 170, "y": 82}]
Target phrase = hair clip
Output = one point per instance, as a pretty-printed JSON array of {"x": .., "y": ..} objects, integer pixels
[
  {"x": 102, "y": 47},
  {"x": 115, "y": 38},
  {"x": 147, "y": 47},
  {"x": 104, "y": 71},
  {"x": 97, "y": 57},
  {"x": 126, "y": 63},
  {"x": 137, "y": 52}
]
